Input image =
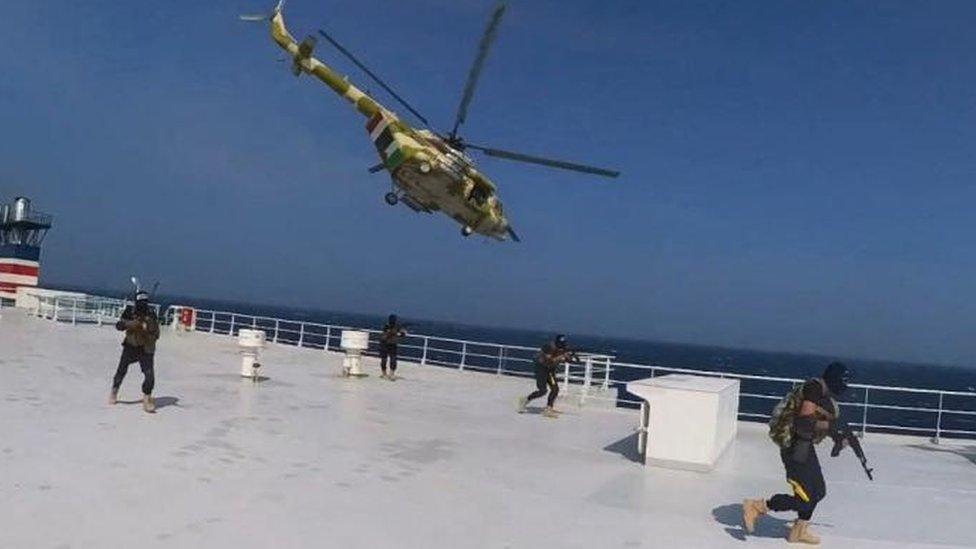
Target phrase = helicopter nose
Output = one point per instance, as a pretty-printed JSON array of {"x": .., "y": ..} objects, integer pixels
[{"x": 511, "y": 233}]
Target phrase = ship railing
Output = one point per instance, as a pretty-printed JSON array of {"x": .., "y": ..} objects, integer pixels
[
  {"x": 601, "y": 380},
  {"x": 39, "y": 218},
  {"x": 598, "y": 380},
  {"x": 82, "y": 309},
  {"x": 879, "y": 408},
  {"x": 592, "y": 373},
  {"x": 32, "y": 217}
]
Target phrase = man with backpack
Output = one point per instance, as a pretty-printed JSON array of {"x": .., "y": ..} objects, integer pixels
[{"x": 799, "y": 422}]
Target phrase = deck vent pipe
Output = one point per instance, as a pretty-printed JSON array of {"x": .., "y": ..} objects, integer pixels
[
  {"x": 354, "y": 343},
  {"x": 251, "y": 342}
]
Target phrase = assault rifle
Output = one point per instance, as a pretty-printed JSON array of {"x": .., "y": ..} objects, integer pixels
[
  {"x": 137, "y": 287},
  {"x": 573, "y": 354},
  {"x": 401, "y": 332},
  {"x": 843, "y": 433}
]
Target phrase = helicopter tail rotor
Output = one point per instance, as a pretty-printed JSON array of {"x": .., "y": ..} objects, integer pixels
[{"x": 258, "y": 18}]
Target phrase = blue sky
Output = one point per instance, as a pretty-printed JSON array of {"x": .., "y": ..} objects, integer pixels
[{"x": 797, "y": 175}]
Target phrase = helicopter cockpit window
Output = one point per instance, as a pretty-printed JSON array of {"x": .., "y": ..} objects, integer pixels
[{"x": 479, "y": 195}]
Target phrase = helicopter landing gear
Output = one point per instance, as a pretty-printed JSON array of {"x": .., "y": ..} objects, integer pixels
[
  {"x": 391, "y": 199},
  {"x": 466, "y": 231}
]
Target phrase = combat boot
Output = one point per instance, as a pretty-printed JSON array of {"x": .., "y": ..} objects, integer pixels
[
  {"x": 523, "y": 402},
  {"x": 800, "y": 533},
  {"x": 550, "y": 413},
  {"x": 113, "y": 397},
  {"x": 752, "y": 509},
  {"x": 148, "y": 404}
]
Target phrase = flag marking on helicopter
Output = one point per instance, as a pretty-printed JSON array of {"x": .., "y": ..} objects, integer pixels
[{"x": 381, "y": 132}]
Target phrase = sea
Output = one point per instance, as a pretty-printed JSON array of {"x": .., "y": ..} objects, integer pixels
[{"x": 888, "y": 407}]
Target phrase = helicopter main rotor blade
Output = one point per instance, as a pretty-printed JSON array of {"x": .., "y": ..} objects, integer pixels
[
  {"x": 491, "y": 32},
  {"x": 519, "y": 157},
  {"x": 375, "y": 78}
]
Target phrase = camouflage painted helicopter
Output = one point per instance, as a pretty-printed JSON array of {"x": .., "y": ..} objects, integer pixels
[{"x": 430, "y": 171}]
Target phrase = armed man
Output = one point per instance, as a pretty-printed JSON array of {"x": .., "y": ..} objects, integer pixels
[
  {"x": 141, "y": 327},
  {"x": 551, "y": 355},
  {"x": 392, "y": 333},
  {"x": 803, "y": 419}
]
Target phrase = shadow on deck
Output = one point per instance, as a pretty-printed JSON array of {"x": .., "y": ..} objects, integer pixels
[{"x": 626, "y": 447}]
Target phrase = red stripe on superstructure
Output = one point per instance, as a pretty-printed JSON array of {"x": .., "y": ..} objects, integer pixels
[
  {"x": 25, "y": 270},
  {"x": 9, "y": 286},
  {"x": 373, "y": 122}
]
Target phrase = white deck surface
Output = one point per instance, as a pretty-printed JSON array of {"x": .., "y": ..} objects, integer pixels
[{"x": 436, "y": 459}]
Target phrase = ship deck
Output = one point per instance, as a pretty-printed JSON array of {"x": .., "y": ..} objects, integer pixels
[{"x": 436, "y": 459}]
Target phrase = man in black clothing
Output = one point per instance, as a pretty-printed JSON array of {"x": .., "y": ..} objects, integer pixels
[
  {"x": 141, "y": 327},
  {"x": 391, "y": 335},
  {"x": 818, "y": 409},
  {"x": 551, "y": 355}
]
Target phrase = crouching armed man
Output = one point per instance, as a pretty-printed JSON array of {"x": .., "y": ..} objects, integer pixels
[{"x": 550, "y": 357}]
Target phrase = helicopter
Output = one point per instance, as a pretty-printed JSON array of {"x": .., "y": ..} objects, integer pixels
[{"x": 430, "y": 171}]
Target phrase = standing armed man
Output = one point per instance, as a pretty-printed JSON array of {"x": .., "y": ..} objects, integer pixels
[
  {"x": 391, "y": 335},
  {"x": 803, "y": 419},
  {"x": 141, "y": 327}
]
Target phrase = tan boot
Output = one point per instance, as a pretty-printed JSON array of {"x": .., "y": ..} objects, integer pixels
[
  {"x": 800, "y": 533},
  {"x": 550, "y": 413},
  {"x": 752, "y": 509},
  {"x": 148, "y": 404},
  {"x": 522, "y": 404},
  {"x": 113, "y": 397}
]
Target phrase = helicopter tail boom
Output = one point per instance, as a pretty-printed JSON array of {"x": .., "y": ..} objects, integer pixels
[{"x": 304, "y": 62}]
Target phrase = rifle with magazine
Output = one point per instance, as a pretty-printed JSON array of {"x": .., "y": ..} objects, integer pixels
[{"x": 844, "y": 435}]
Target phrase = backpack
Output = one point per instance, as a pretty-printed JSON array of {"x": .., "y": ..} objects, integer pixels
[{"x": 781, "y": 421}]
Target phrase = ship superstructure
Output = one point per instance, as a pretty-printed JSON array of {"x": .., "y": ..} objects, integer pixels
[{"x": 22, "y": 230}]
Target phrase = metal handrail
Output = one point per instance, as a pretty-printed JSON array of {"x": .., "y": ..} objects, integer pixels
[
  {"x": 37, "y": 218},
  {"x": 574, "y": 377},
  {"x": 84, "y": 310},
  {"x": 597, "y": 370}
]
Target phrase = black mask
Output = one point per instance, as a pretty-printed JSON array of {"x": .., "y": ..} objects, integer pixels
[{"x": 836, "y": 376}]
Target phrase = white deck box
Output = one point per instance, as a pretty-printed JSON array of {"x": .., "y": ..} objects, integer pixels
[{"x": 689, "y": 421}]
